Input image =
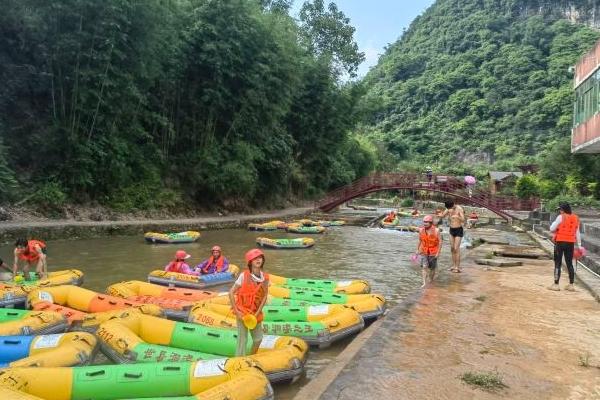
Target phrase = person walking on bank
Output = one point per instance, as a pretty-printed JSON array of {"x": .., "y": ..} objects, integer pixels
[
  {"x": 566, "y": 237},
  {"x": 456, "y": 219},
  {"x": 428, "y": 249}
]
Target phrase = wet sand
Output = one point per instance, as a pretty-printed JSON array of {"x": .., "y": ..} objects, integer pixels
[{"x": 486, "y": 319}]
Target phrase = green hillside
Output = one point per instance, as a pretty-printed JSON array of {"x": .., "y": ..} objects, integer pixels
[{"x": 475, "y": 84}]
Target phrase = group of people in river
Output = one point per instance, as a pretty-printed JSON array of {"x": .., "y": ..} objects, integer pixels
[
  {"x": 213, "y": 264},
  {"x": 429, "y": 244},
  {"x": 248, "y": 294},
  {"x": 565, "y": 230}
]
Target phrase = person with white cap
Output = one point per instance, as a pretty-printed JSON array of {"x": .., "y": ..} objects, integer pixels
[
  {"x": 179, "y": 265},
  {"x": 215, "y": 263}
]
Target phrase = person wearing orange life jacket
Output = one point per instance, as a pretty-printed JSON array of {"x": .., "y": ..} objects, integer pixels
[
  {"x": 29, "y": 253},
  {"x": 215, "y": 263},
  {"x": 179, "y": 265},
  {"x": 428, "y": 249},
  {"x": 472, "y": 220},
  {"x": 248, "y": 296},
  {"x": 566, "y": 237}
]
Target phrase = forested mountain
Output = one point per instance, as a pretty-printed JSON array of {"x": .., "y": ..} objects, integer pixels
[
  {"x": 138, "y": 104},
  {"x": 480, "y": 84}
]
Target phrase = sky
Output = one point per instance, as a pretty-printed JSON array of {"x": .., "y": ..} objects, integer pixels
[{"x": 377, "y": 22}]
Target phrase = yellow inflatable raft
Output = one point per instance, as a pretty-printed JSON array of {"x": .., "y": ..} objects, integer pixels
[
  {"x": 370, "y": 306},
  {"x": 176, "y": 302},
  {"x": 12, "y": 294},
  {"x": 56, "y": 350},
  {"x": 172, "y": 238},
  {"x": 23, "y": 322},
  {"x": 318, "y": 325},
  {"x": 176, "y": 279},
  {"x": 207, "y": 380},
  {"x": 83, "y": 308},
  {"x": 142, "y": 338},
  {"x": 344, "y": 286}
]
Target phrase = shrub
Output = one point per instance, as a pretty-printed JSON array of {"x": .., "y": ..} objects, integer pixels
[{"x": 407, "y": 203}]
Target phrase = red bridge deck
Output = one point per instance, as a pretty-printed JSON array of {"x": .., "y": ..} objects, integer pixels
[{"x": 452, "y": 186}]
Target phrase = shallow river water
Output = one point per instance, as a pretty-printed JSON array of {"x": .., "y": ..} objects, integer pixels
[{"x": 377, "y": 255}]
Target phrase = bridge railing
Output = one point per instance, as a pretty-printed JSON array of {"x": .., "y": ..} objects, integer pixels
[{"x": 438, "y": 183}]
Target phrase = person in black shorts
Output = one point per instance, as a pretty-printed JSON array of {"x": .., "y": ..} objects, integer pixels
[{"x": 456, "y": 219}]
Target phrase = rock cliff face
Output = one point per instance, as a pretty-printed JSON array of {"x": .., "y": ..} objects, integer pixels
[{"x": 586, "y": 12}]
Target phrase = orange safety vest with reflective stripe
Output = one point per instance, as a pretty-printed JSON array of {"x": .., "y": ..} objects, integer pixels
[
  {"x": 251, "y": 294},
  {"x": 567, "y": 229},
  {"x": 430, "y": 241},
  {"x": 30, "y": 253}
]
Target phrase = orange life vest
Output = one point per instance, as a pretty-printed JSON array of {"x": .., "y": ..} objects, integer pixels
[
  {"x": 473, "y": 216},
  {"x": 30, "y": 253},
  {"x": 175, "y": 266},
  {"x": 251, "y": 294},
  {"x": 211, "y": 260},
  {"x": 430, "y": 241},
  {"x": 567, "y": 229}
]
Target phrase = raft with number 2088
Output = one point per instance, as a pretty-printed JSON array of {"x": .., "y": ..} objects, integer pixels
[
  {"x": 219, "y": 379},
  {"x": 318, "y": 325},
  {"x": 142, "y": 338}
]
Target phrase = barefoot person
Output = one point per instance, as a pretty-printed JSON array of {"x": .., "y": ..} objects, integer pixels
[
  {"x": 456, "y": 219},
  {"x": 428, "y": 249},
  {"x": 566, "y": 238},
  {"x": 30, "y": 253},
  {"x": 248, "y": 296}
]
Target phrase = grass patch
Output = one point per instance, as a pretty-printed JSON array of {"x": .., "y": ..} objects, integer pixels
[
  {"x": 584, "y": 360},
  {"x": 481, "y": 298},
  {"x": 490, "y": 381},
  {"x": 488, "y": 256}
]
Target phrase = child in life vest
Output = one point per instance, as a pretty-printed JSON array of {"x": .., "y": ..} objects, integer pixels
[
  {"x": 428, "y": 249},
  {"x": 215, "y": 263},
  {"x": 248, "y": 296},
  {"x": 179, "y": 265},
  {"x": 29, "y": 253}
]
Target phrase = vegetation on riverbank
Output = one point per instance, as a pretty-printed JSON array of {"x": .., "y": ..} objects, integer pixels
[
  {"x": 475, "y": 86},
  {"x": 139, "y": 105}
]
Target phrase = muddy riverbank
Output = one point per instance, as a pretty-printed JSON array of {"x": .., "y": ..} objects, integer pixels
[{"x": 501, "y": 325}]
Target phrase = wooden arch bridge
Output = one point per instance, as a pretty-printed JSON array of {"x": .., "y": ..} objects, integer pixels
[{"x": 448, "y": 185}]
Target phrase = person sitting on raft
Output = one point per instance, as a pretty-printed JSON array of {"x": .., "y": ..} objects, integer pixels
[
  {"x": 415, "y": 213},
  {"x": 27, "y": 254},
  {"x": 390, "y": 217},
  {"x": 179, "y": 265},
  {"x": 215, "y": 263},
  {"x": 472, "y": 220}
]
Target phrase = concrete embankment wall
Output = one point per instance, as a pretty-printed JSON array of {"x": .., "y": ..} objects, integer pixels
[{"x": 49, "y": 230}]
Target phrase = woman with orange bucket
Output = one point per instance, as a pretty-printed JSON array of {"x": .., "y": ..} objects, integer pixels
[{"x": 248, "y": 296}]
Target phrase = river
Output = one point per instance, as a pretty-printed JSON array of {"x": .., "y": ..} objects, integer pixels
[{"x": 377, "y": 255}]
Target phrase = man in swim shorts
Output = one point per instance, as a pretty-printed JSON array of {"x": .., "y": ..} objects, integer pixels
[{"x": 456, "y": 219}]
